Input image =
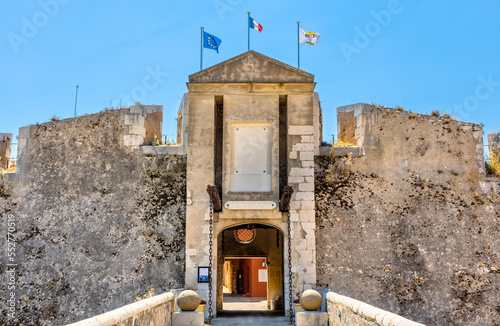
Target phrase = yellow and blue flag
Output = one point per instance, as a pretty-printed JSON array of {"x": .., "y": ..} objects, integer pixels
[{"x": 211, "y": 42}]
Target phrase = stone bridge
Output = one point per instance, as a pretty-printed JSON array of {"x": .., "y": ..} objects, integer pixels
[{"x": 158, "y": 311}]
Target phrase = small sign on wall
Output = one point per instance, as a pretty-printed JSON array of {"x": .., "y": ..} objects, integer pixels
[
  {"x": 203, "y": 274},
  {"x": 263, "y": 275},
  {"x": 304, "y": 270}
]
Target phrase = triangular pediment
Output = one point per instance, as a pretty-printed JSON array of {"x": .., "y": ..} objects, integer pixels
[{"x": 251, "y": 67}]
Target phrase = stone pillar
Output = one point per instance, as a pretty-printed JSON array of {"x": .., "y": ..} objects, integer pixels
[
  {"x": 354, "y": 126},
  {"x": 312, "y": 318},
  {"x": 311, "y": 301},
  {"x": 317, "y": 123},
  {"x": 144, "y": 124},
  {"x": 5, "y": 143},
  {"x": 477, "y": 133},
  {"x": 494, "y": 150},
  {"x": 302, "y": 207},
  {"x": 182, "y": 123}
]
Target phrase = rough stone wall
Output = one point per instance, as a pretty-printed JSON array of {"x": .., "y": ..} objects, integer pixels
[
  {"x": 433, "y": 147},
  {"x": 98, "y": 224},
  {"x": 425, "y": 249}
]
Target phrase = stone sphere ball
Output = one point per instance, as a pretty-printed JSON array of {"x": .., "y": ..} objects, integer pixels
[
  {"x": 188, "y": 300},
  {"x": 310, "y": 300}
]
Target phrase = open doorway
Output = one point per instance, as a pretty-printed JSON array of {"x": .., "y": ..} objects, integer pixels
[
  {"x": 250, "y": 269},
  {"x": 245, "y": 284}
]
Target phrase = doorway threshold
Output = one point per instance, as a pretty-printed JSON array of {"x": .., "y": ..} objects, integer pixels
[{"x": 250, "y": 313}]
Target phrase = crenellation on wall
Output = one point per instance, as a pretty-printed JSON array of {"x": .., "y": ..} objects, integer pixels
[
  {"x": 183, "y": 122},
  {"x": 396, "y": 143},
  {"x": 5, "y": 148},
  {"x": 494, "y": 151},
  {"x": 144, "y": 125},
  {"x": 358, "y": 134}
]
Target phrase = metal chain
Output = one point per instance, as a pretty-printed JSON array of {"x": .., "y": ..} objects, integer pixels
[
  {"x": 210, "y": 266},
  {"x": 292, "y": 316}
]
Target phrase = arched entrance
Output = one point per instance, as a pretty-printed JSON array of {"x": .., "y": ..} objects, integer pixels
[{"x": 250, "y": 268}]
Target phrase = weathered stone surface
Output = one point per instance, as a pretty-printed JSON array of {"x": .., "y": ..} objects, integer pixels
[
  {"x": 312, "y": 318},
  {"x": 98, "y": 224},
  {"x": 188, "y": 300},
  {"x": 494, "y": 151},
  {"x": 310, "y": 300},
  {"x": 344, "y": 311},
  {"x": 187, "y": 319},
  {"x": 423, "y": 249},
  {"x": 152, "y": 311},
  {"x": 397, "y": 143},
  {"x": 5, "y": 155}
]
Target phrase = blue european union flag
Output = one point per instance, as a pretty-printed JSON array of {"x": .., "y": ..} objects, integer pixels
[{"x": 211, "y": 42}]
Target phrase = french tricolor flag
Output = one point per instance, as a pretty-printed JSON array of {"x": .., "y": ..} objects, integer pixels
[{"x": 252, "y": 23}]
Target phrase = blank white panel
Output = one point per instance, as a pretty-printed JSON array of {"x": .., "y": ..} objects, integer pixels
[
  {"x": 250, "y": 183},
  {"x": 250, "y": 146},
  {"x": 250, "y": 150}
]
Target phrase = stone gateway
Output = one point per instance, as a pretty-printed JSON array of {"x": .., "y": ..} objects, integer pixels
[{"x": 401, "y": 213}]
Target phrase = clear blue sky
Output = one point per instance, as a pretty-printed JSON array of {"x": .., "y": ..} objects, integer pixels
[{"x": 422, "y": 55}]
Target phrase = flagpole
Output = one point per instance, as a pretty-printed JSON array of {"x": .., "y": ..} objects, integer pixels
[
  {"x": 76, "y": 98},
  {"x": 298, "y": 44},
  {"x": 248, "y": 25},
  {"x": 201, "y": 50}
]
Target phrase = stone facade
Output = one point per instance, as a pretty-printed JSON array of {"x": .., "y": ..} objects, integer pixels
[{"x": 251, "y": 97}]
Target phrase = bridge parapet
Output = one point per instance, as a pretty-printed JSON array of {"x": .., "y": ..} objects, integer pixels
[
  {"x": 151, "y": 311},
  {"x": 344, "y": 311}
]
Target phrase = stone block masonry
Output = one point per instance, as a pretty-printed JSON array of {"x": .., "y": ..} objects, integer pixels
[
  {"x": 144, "y": 125},
  {"x": 301, "y": 178},
  {"x": 494, "y": 151},
  {"x": 5, "y": 154}
]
